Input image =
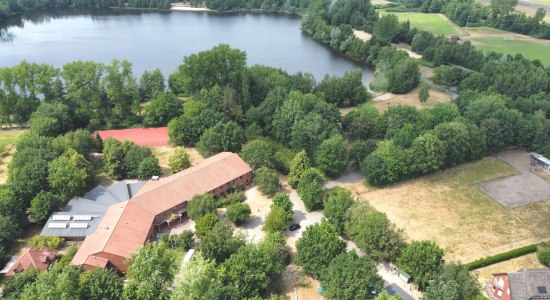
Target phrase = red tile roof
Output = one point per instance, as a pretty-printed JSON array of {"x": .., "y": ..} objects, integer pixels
[
  {"x": 32, "y": 258},
  {"x": 127, "y": 225}
]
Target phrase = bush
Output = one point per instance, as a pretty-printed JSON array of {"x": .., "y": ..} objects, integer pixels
[
  {"x": 69, "y": 255},
  {"x": 148, "y": 168},
  {"x": 179, "y": 160},
  {"x": 201, "y": 205},
  {"x": 233, "y": 197},
  {"x": 183, "y": 240},
  {"x": 275, "y": 220},
  {"x": 267, "y": 180},
  {"x": 544, "y": 256},
  {"x": 205, "y": 224},
  {"x": 52, "y": 242},
  {"x": 487, "y": 261},
  {"x": 238, "y": 213}
]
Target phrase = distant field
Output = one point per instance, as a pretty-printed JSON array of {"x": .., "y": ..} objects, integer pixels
[
  {"x": 542, "y": 1},
  {"x": 448, "y": 208},
  {"x": 529, "y": 49},
  {"x": 434, "y": 23}
]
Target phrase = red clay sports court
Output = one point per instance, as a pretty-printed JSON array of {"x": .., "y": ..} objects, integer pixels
[{"x": 140, "y": 136}]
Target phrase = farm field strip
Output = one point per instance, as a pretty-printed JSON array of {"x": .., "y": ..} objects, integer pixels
[{"x": 434, "y": 23}]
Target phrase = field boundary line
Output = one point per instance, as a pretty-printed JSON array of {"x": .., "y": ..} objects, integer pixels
[{"x": 458, "y": 28}]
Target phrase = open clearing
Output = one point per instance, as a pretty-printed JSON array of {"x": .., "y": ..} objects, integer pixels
[
  {"x": 512, "y": 265},
  {"x": 449, "y": 209},
  {"x": 8, "y": 139},
  {"x": 490, "y": 39},
  {"x": 434, "y": 23},
  {"x": 163, "y": 153}
]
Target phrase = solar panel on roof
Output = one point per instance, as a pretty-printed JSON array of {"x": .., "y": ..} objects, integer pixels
[
  {"x": 82, "y": 217},
  {"x": 542, "y": 290},
  {"x": 78, "y": 225},
  {"x": 61, "y": 217},
  {"x": 57, "y": 225}
]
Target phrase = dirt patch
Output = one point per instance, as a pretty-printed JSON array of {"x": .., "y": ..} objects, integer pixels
[
  {"x": 518, "y": 190},
  {"x": 384, "y": 101},
  {"x": 163, "y": 155},
  {"x": 512, "y": 265},
  {"x": 295, "y": 283},
  {"x": 259, "y": 207},
  {"x": 4, "y": 162},
  {"x": 462, "y": 219}
]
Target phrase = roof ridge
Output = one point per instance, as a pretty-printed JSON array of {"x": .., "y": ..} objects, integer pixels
[
  {"x": 183, "y": 176},
  {"x": 120, "y": 219},
  {"x": 113, "y": 228}
]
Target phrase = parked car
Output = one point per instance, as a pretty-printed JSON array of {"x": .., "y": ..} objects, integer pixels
[{"x": 294, "y": 227}]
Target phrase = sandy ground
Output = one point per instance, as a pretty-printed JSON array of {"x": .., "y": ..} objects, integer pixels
[
  {"x": 512, "y": 265},
  {"x": 518, "y": 190},
  {"x": 365, "y": 36},
  {"x": 4, "y": 162},
  {"x": 259, "y": 207},
  {"x": 411, "y": 98},
  {"x": 163, "y": 154},
  {"x": 464, "y": 221}
]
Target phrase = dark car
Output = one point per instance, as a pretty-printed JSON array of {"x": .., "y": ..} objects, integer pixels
[{"x": 294, "y": 227}]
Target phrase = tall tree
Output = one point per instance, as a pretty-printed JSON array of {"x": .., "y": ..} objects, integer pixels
[
  {"x": 299, "y": 164},
  {"x": 151, "y": 83},
  {"x": 179, "y": 160},
  {"x": 423, "y": 260},
  {"x": 310, "y": 189},
  {"x": 194, "y": 280},
  {"x": 151, "y": 271},
  {"x": 336, "y": 206},
  {"x": 163, "y": 108},
  {"x": 99, "y": 284},
  {"x": 70, "y": 174},
  {"x": 331, "y": 157}
]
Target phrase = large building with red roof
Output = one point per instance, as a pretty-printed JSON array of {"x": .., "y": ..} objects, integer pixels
[{"x": 129, "y": 224}]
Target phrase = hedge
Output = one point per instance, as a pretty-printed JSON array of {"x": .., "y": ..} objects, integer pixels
[{"x": 487, "y": 261}]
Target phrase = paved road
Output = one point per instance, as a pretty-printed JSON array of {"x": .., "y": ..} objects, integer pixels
[{"x": 526, "y": 6}]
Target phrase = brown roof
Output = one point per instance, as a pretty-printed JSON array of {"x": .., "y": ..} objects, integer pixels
[
  {"x": 32, "y": 258},
  {"x": 126, "y": 225},
  {"x": 163, "y": 194},
  {"x": 96, "y": 261}
]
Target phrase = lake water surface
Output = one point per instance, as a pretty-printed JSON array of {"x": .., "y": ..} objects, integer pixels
[{"x": 162, "y": 38}]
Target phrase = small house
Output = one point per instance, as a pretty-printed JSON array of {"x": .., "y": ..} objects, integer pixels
[
  {"x": 525, "y": 284},
  {"x": 30, "y": 258}
]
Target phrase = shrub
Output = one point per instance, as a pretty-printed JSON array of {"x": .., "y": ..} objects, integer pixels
[
  {"x": 275, "y": 220},
  {"x": 52, "y": 242},
  {"x": 179, "y": 160},
  {"x": 238, "y": 212},
  {"x": 183, "y": 240},
  {"x": 487, "y": 261},
  {"x": 235, "y": 196},
  {"x": 544, "y": 256},
  {"x": 267, "y": 180},
  {"x": 201, "y": 205},
  {"x": 205, "y": 224}
]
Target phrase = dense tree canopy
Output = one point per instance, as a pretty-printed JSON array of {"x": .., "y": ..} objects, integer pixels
[
  {"x": 331, "y": 157},
  {"x": 337, "y": 203},
  {"x": 423, "y": 260},
  {"x": 163, "y": 108},
  {"x": 310, "y": 189},
  {"x": 201, "y": 205},
  {"x": 179, "y": 160},
  {"x": 267, "y": 181}
]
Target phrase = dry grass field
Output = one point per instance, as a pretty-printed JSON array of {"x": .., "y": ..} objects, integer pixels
[
  {"x": 163, "y": 154},
  {"x": 512, "y": 265},
  {"x": 8, "y": 139},
  {"x": 448, "y": 208}
]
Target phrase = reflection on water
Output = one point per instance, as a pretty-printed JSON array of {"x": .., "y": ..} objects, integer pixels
[{"x": 161, "y": 39}]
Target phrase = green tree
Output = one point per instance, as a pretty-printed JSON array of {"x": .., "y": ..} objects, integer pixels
[
  {"x": 59, "y": 282},
  {"x": 51, "y": 119},
  {"x": 80, "y": 140},
  {"x": 317, "y": 247},
  {"x": 151, "y": 83},
  {"x": 238, "y": 213},
  {"x": 349, "y": 276},
  {"x": 387, "y": 164},
  {"x": 423, "y": 260},
  {"x": 205, "y": 224},
  {"x": 275, "y": 220},
  {"x": 70, "y": 174},
  {"x": 11, "y": 206},
  {"x": 267, "y": 181},
  {"x": 122, "y": 94},
  {"x": 114, "y": 154},
  {"x": 364, "y": 122},
  {"x": 502, "y": 8},
  {"x": 442, "y": 290},
  {"x": 404, "y": 76},
  {"x": 9, "y": 231},
  {"x": 148, "y": 168},
  {"x": 151, "y": 271},
  {"x": 201, "y": 205},
  {"x": 386, "y": 28},
  {"x": 258, "y": 153},
  {"x": 331, "y": 157},
  {"x": 99, "y": 284},
  {"x": 52, "y": 242},
  {"x": 43, "y": 205},
  {"x": 308, "y": 133},
  {"x": 386, "y": 296},
  {"x": 135, "y": 155},
  {"x": 336, "y": 206},
  {"x": 360, "y": 150},
  {"x": 424, "y": 93},
  {"x": 428, "y": 154},
  {"x": 187, "y": 129},
  {"x": 310, "y": 189},
  {"x": 465, "y": 285},
  {"x": 299, "y": 164},
  {"x": 283, "y": 200},
  {"x": 16, "y": 284},
  {"x": 373, "y": 232},
  {"x": 194, "y": 280},
  {"x": 221, "y": 137},
  {"x": 344, "y": 91},
  {"x": 220, "y": 243},
  {"x": 179, "y": 160},
  {"x": 163, "y": 108}
]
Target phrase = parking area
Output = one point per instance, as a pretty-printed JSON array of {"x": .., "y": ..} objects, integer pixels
[{"x": 517, "y": 190}]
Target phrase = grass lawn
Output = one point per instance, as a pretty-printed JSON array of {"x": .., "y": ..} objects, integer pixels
[
  {"x": 542, "y": 1},
  {"x": 448, "y": 208},
  {"x": 529, "y": 49},
  {"x": 9, "y": 137},
  {"x": 434, "y": 23}
]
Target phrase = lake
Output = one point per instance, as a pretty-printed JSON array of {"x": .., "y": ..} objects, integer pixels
[{"x": 151, "y": 39}]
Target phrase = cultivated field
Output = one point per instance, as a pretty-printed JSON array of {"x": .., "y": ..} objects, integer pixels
[
  {"x": 434, "y": 23},
  {"x": 489, "y": 39},
  {"x": 449, "y": 209}
]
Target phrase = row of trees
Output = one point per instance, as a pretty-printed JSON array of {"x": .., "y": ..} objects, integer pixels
[{"x": 126, "y": 160}]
